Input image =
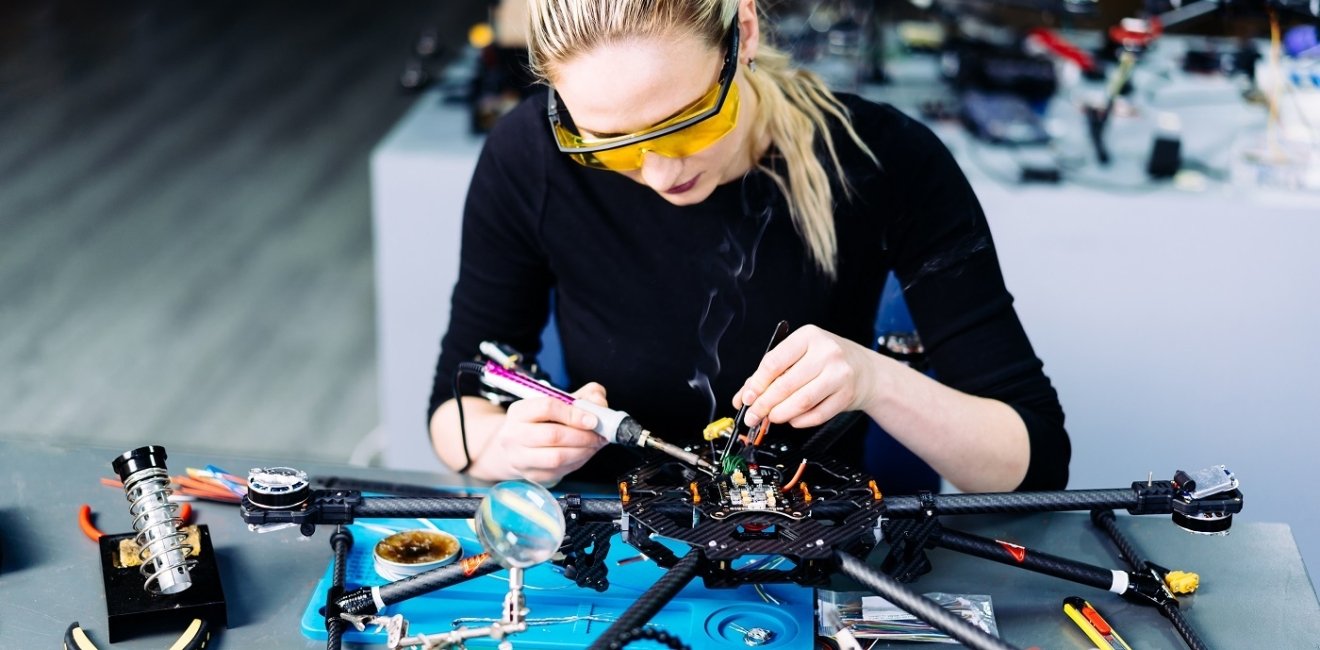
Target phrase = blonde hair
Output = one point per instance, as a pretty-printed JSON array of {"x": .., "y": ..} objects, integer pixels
[{"x": 794, "y": 106}]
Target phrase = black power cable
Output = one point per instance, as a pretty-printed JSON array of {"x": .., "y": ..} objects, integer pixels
[
  {"x": 470, "y": 368},
  {"x": 649, "y": 603}
]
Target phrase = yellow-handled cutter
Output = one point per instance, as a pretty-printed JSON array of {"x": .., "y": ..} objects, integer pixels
[{"x": 1087, "y": 617}]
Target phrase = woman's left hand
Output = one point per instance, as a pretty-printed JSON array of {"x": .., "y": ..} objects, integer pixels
[{"x": 810, "y": 377}]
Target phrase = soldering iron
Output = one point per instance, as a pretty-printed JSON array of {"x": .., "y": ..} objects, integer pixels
[{"x": 614, "y": 426}]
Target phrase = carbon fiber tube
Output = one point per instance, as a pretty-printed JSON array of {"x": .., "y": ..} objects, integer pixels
[
  {"x": 429, "y": 581},
  {"x": 462, "y": 508},
  {"x": 601, "y": 509},
  {"x": 361, "y": 601},
  {"x": 917, "y": 605},
  {"x": 412, "y": 507},
  {"x": 651, "y": 634},
  {"x": 1107, "y": 522},
  {"x": 341, "y": 541},
  {"x": 994, "y": 502},
  {"x": 1183, "y": 626},
  {"x": 651, "y": 601},
  {"x": 1059, "y": 567}
]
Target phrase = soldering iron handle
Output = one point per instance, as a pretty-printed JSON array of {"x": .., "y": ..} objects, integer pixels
[{"x": 609, "y": 422}]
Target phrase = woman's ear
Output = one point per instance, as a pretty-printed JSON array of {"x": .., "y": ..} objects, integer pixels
[{"x": 749, "y": 31}]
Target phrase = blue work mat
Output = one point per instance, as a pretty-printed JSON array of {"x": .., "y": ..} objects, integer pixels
[{"x": 703, "y": 618}]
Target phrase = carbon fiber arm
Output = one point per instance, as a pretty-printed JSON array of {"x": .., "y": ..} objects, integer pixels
[
  {"x": 650, "y": 602},
  {"x": 917, "y": 605}
]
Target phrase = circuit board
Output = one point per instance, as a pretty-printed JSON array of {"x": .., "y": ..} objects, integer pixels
[{"x": 800, "y": 512}]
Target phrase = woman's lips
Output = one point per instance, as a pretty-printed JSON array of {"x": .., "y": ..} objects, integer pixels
[{"x": 679, "y": 189}]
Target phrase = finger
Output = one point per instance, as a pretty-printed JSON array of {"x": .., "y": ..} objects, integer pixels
[
  {"x": 821, "y": 413},
  {"x": 557, "y": 435},
  {"x": 773, "y": 364},
  {"x": 785, "y": 385},
  {"x": 559, "y": 460},
  {"x": 547, "y": 409},
  {"x": 592, "y": 392},
  {"x": 801, "y": 400},
  {"x": 834, "y": 379}
]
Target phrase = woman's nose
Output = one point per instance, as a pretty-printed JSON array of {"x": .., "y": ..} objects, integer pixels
[{"x": 661, "y": 172}]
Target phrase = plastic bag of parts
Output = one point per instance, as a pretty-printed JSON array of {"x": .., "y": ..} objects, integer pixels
[{"x": 873, "y": 617}]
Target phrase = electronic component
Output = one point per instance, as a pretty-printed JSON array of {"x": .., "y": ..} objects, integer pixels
[
  {"x": 757, "y": 490},
  {"x": 278, "y": 487},
  {"x": 1205, "y": 482}
]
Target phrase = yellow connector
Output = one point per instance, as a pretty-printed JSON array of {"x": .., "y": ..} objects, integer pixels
[
  {"x": 1182, "y": 582},
  {"x": 718, "y": 429}
]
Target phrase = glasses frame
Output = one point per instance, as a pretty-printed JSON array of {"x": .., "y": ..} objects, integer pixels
[{"x": 727, "y": 73}]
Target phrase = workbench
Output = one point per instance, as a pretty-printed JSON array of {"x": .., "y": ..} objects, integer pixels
[{"x": 1255, "y": 592}]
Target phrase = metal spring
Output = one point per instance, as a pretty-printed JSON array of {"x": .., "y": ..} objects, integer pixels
[{"x": 161, "y": 546}]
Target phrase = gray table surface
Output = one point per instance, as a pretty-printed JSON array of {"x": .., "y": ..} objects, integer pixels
[{"x": 1255, "y": 592}]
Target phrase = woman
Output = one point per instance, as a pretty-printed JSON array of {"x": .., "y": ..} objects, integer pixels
[{"x": 681, "y": 189}]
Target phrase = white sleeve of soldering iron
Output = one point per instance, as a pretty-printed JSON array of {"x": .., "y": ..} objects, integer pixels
[{"x": 608, "y": 420}]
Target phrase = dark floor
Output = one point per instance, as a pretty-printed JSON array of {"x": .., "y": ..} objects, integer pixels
[{"x": 185, "y": 236}]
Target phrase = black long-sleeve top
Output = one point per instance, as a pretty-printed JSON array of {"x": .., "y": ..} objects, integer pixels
[{"x": 670, "y": 307}]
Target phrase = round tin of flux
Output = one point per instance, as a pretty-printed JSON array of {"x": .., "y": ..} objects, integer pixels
[{"x": 411, "y": 552}]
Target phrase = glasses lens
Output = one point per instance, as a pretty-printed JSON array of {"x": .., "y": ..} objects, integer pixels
[{"x": 679, "y": 144}]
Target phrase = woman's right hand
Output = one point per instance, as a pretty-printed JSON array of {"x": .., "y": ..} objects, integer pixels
[{"x": 543, "y": 439}]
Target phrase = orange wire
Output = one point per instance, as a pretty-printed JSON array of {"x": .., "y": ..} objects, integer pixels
[
  {"x": 202, "y": 486},
  {"x": 797, "y": 476},
  {"x": 85, "y": 523},
  {"x": 760, "y": 434},
  {"x": 92, "y": 532}
]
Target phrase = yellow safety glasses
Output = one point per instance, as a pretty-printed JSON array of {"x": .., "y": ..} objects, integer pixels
[{"x": 694, "y": 128}]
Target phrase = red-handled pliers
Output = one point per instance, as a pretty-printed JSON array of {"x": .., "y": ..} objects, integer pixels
[{"x": 92, "y": 532}]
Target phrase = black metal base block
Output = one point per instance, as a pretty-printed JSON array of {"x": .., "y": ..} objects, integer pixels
[{"x": 133, "y": 611}]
